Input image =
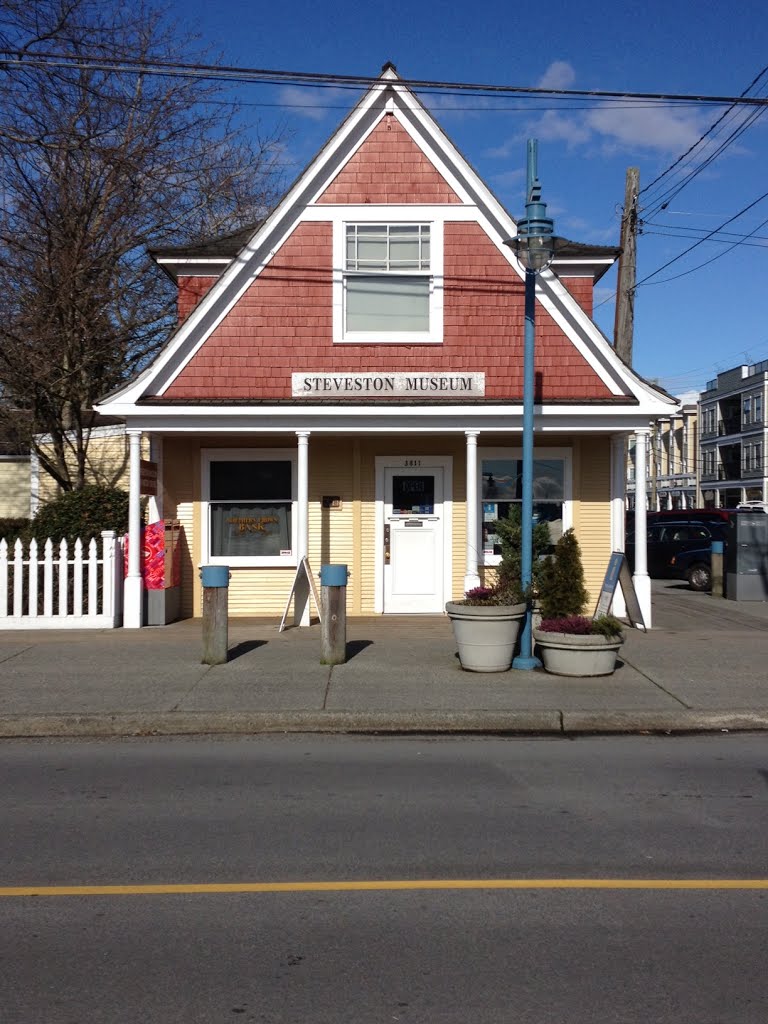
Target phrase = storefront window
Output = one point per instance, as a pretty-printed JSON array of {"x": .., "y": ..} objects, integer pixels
[
  {"x": 502, "y": 489},
  {"x": 250, "y": 509}
]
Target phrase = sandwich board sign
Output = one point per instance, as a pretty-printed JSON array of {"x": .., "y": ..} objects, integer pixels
[
  {"x": 618, "y": 573},
  {"x": 303, "y": 577}
]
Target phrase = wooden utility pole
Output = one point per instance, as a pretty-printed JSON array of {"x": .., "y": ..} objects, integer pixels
[{"x": 624, "y": 323}]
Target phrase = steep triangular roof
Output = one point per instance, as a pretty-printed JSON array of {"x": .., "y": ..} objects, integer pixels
[{"x": 313, "y": 189}]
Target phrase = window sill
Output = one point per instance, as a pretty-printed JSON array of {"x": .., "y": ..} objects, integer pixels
[
  {"x": 374, "y": 338},
  {"x": 254, "y": 562}
]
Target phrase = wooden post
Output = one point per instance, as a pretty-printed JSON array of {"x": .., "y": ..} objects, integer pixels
[
  {"x": 215, "y": 613},
  {"x": 333, "y": 614},
  {"x": 624, "y": 323}
]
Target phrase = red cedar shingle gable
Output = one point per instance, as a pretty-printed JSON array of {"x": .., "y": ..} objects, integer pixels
[
  {"x": 283, "y": 324},
  {"x": 389, "y": 168}
]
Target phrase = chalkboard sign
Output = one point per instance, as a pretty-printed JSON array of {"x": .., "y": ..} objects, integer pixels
[{"x": 618, "y": 572}]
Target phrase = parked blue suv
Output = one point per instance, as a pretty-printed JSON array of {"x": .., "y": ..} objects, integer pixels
[{"x": 671, "y": 535}]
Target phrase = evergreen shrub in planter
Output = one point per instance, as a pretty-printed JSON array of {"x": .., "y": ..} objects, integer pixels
[
  {"x": 569, "y": 643},
  {"x": 487, "y": 622}
]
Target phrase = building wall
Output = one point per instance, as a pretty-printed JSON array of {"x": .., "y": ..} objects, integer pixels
[
  {"x": 345, "y": 467},
  {"x": 283, "y": 323},
  {"x": 14, "y": 488},
  {"x": 389, "y": 168},
  {"x": 106, "y": 464}
]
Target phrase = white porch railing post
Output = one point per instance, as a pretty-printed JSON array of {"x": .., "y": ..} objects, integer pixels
[
  {"x": 640, "y": 578},
  {"x": 32, "y": 565},
  {"x": 18, "y": 579},
  {"x": 132, "y": 618},
  {"x": 618, "y": 491},
  {"x": 3, "y": 578},
  {"x": 63, "y": 577},
  {"x": 301, "y": 610},
  {"x": 48, "y": 578},
  {"x": 77, "y": 572},
  {"x": 93, "y": 577},
  {"x": 471, "y": 575},
  {"x": 108, "y": 573}
]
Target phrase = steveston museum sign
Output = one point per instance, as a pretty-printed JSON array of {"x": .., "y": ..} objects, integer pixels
[{"x": 383, "y": 385}]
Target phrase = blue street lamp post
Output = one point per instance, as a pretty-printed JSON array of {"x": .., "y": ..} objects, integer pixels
[{"x": 534, "y": 248}]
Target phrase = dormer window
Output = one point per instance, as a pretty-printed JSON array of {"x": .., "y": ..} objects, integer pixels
[{"x": 390, "y": 285}]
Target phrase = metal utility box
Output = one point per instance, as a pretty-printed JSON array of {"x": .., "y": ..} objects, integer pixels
[{"x": 746, "y": 557}]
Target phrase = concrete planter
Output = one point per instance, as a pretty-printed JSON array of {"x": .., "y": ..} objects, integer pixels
[
  {"x": 485, "y": 634},
  {"x": 569, "y": 654}
]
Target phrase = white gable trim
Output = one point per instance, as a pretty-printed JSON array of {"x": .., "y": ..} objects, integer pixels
[{"x": 300, "y": 203}]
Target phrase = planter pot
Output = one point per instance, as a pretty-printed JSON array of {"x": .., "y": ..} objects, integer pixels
[
  {"x": 568, "y": 654},
  {"x": 485, "y": 634}
]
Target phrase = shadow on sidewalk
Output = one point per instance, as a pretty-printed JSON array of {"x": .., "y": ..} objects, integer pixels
[{"x": 245, "y": 647}]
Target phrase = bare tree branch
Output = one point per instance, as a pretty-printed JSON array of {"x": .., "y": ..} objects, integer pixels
[{"x": 96, "y": 167}]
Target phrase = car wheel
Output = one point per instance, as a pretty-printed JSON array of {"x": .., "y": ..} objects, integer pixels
[{"x": 699, "y": 577}]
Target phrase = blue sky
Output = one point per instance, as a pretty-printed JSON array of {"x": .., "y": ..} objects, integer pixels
[{"x": 686, "y": 330}]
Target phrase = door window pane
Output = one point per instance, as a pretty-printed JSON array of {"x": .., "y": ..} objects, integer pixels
[{"x": 413, "y": 495}]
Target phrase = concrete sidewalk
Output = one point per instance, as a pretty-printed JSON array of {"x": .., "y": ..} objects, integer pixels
[{"x": 704, "y": 666}]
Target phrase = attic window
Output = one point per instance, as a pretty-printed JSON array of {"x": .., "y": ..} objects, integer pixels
[{"x": 389, "y": 290}]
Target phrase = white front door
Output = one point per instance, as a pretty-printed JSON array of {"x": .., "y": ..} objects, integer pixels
[{"x": 413, "y": 541}]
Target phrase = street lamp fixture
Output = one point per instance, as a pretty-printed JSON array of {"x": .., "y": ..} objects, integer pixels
[{"x": 534, "y": 248}]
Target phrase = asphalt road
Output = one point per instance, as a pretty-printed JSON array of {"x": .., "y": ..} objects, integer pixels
[{"x": 534, "y": 817}]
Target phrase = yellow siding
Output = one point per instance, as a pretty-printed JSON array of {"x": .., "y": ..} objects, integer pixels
[
  {"x": 592, "y": 510},
  {"x": 14, "y": 488},
  {"x": 106, "y": 464},
  {"x": 345, "y": 468}
]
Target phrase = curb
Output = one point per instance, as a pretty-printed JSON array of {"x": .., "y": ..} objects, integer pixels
[{"x": 512, "y": 723}]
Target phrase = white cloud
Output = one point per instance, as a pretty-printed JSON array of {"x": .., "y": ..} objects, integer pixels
[
  {"x": 689, "y": 397},
  {"x": 610, "y": 127},
  {"x": 507, "y": 178},
  {"x": 644, "y": 126},
  {"x": 313, "y": 103},
  {"x": 559, "y": 75}
]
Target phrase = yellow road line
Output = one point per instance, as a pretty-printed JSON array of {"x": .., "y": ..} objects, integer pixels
[{"x": 384, "y": 885}]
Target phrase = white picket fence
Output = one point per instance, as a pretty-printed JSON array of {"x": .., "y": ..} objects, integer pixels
[{"x": 78, "y": 590}]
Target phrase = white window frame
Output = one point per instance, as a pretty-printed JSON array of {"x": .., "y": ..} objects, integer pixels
[
  {"x": 209, "y": 455},
  {"x": 434, "y": 336},
  {"x": 566, "y": 454}
]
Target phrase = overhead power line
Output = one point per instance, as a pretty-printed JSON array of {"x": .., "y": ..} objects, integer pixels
[
  {"x": 709, "y": 131},
  {"x": 14, "y": 59},
  {"x": 701, "y": 240}
]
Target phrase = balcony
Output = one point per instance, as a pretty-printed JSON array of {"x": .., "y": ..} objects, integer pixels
[{"x": 730, "y": 426}]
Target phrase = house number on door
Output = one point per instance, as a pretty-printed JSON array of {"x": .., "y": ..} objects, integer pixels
[{"x": 411, "y": 463}]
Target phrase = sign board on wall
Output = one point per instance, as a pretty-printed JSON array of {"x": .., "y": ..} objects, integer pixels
[
  {"x": 388, "y": 385},
  {"x": 148, "y": 477}
]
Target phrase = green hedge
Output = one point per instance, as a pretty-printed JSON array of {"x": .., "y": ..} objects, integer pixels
[
  {"x": 11, "y": 528},
  {"x": 82, "y": 514}
]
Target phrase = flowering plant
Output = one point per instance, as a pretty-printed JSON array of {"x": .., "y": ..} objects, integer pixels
[
  {"x": 582, "y": 625},
  {"x": 506, "y": 593}
]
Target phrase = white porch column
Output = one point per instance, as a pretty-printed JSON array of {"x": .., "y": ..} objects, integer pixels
[
  {"x": 641, "y": 579},
  {"x": 471, "y": 576},
  {"x": 618, "y": 490},
  {"x": 301, "y": 608},
  {"x": 132, "y": 617}
]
